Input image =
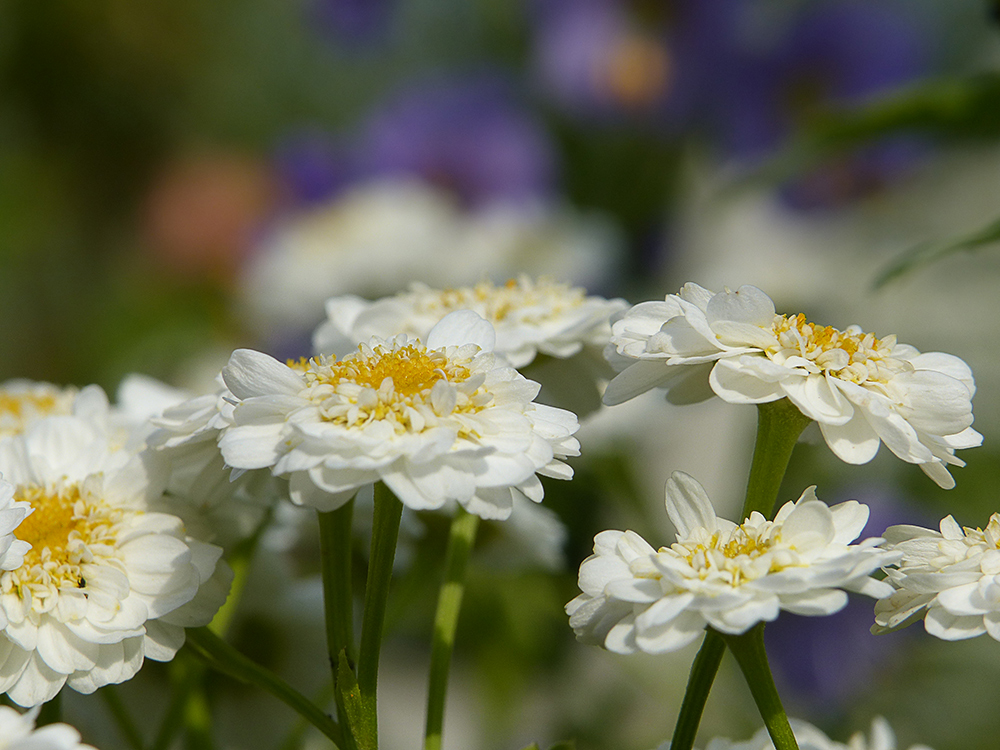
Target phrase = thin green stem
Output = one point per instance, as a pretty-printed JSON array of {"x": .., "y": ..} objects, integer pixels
[
  {"x": 122, "y": 716},
  {"x": 748, "y": 649},
  {"x": 338, "y": 597},
  {"x": 703, "y": 671},
  {"x": 779, "y": 424},
  {"x": 460, "y": 541},
  {"x": 184, "y": 676},
  {"x": 385, "y": 532},
  {"x": 223, "y": 657}
]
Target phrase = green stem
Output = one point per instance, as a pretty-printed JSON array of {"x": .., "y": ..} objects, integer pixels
[
  {"x": 223, "y": 657},
  {"x": 748, "y": 649},
  {"x": 703, "y": 671},
  {"x": 338, "y": 598},
  {"x": 123, "y": 718},
  {"x": 460, "y": 540},
  {"x": 779, "y": 424},
  {"x": 385, "y": 532}
]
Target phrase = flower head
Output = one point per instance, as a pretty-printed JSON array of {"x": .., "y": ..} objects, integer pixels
[
  {"x": 17, "y": 732},
  {"x": 443, "y": 421},
  {"x": 949, "y": 578},
  {"x": 107, "y": 581},
  {"x": 528, "y": 316},
  {"x": 721, "y": 574},
  {"x": 862, "y": 390},
  {"x": 811, "y": 738}
]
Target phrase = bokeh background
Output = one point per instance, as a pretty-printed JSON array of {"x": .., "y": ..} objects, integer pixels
[{"x": 180, "y": 178}]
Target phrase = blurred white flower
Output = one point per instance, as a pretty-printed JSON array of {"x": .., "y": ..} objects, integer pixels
[
  {"x": 23, "y": 401},
  {"x": 17, "y": 732},
  {"x": 380, "y": 236},
  {"x": 529, "y": 316},
  {"x": 722, "y": 575},
  {"x": 12, "y": 513},
  {"x": 811, "y": 738},
  {"x": 107, "y": 581},
  {"x": 862, "y": 391},
  {"x": 949, "y": 578},
  {"x": 445, "y": 421}
]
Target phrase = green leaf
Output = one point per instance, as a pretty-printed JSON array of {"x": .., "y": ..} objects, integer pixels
[
  {"x": 359, "y": 714},
  {"x": 929, "y": 252}
]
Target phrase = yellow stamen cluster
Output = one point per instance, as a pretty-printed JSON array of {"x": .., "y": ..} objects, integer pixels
[
  {"x": 734, "y": 556},
  {"x": 393, "y": 383},
  {"x": 21, "y": 405},
  {"x": 849, "y": 355},
  {"x": 533, "y": 300},
  {"x": 66, "y": 523}
]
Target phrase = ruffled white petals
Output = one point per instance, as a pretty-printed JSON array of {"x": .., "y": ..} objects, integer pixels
[
  {"x": 436, "y": 424},
  {"x": 18, "y": 732},
  {"x": 722, "y": 575},
  {"x": 950, "y": 578},
  {"x": 862, "y": 391},
  {"x": 77, "y": 609}
]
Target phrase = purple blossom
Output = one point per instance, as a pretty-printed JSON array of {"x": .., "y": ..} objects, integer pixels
[
  {"x": 469, "y": 134},
  {"x": 354, "y": 23},
  {"x": 312, "y": 166}
]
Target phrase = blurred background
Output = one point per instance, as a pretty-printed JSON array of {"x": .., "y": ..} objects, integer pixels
[{"x": 178, "y": 179}]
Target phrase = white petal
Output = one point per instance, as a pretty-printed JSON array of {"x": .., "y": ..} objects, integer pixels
[
  {"x": 251, "y": 373},
  {"x": 462, "y": 327},
  {"x": 688, "y": 506}
]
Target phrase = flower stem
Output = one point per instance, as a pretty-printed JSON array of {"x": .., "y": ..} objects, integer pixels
[
  {"x": 748, "y": 649},
  {"x": 338, "y": 598},
  {"x": 385, "y": 532},
  {"x": 779, "y": 424},
  {"x": 460, "y": 540},
  {"x": 703, "y": 671},
  {"x": 123, "y": 718},
  {"x": 223, "y": 657}
]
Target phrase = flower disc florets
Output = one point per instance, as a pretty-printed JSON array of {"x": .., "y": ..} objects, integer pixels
[
  {"x": 107, "y": 581},
  {"x": 445, "y": 421},
  {"x": 862, "y": 390},
  {"x": 23, "y": 401},
  {"x": 529, "y": 316},
  {"x": 721, "y": 574},
  {"x": 949, "y": 578}
]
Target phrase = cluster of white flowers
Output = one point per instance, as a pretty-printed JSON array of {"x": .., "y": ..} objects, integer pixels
[
  {"x": 722, "y": 575},
  {"x": 17, "y": 732},
  {"x": 437, "y": 422},
  {"x": 949, "y": 578},
  {"x": 98, "y": 580},
  {"x": 810, "y": 738},
  {"x": 862, "y": 390}
]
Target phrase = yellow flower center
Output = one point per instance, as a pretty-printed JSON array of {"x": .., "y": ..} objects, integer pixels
[
  {"x": 850, "y": 355},
  {"x": 533, "y": 300},
  {"x": 393, "y": 383},
  {"x": 732, "y": 556},
  {"x": 66, "y": 521}
]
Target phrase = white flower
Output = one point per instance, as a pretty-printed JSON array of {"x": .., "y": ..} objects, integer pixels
[
  {"x": 12, "y": 513},
  {"x": 529, "y": 317},
  {"x": 862, "y": 391},
  {"x": 17, "y": 732},
  {"x": 107, "y": 582},
  {"x": 722, "y": 575},
  {"x": 950, "y": 578},
  {"x": 811, "y": 738},
  {"x": 443, "y": 421}
]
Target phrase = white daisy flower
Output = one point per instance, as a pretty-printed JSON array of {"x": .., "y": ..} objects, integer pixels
[
  {"x": 106, "y": 582},
  {"x": 528, "y": 316},
  {"x": 23, "y": 401},
  {"x": 445, "y": 421},
  {"x": 17, "y": 732},
  {"x": 810, "y": 738},
  {"x": 862, "y": 390},
  {"x": 949, "y": 578},
  {"x": 12, "y": 513},
  {"x": 722, "y": 575}
]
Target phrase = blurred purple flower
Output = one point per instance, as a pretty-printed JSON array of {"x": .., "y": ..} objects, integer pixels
[
  {"x": 599, "y": 60},
  {"x": 829, "y": 53},
  {"x": 354, "y": 23},
  {"x": 312, "y": 166},
  {"x": 468, "y": 134},
  {"x": 824, "y": 662}
]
